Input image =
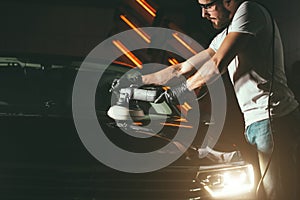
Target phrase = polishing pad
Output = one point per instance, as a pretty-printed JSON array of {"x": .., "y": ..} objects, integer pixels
[{"x": 123, "y": 113}]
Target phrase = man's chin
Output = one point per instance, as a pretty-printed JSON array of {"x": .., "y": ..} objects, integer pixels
[
  {"x": 220, "y": 26},
  {"x": 216, "y": 26}
]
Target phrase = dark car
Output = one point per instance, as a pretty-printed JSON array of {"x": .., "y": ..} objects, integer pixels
[{"x": 43, "y": 155}]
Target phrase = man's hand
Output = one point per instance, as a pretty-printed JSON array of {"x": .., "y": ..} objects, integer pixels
[
  {"x": 163, "y": 76},
  {"x": 129, "y": 79}
]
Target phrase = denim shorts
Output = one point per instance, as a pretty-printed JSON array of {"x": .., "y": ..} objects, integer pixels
[{"x": 260, "y": 134}]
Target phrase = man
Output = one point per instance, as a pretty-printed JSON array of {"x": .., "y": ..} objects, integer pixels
[{"x": 250, "y": 48}]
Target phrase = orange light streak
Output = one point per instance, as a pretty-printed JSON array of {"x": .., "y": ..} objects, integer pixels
[
  {"x": 138, "y": 123},
  {"x": 147, "y": 7},
  {"x": 181, "y": 120},
  {"x": 185, "y": 108},
  {"x": 141, "y": 33},
  {"x": 123, "y": 64},
  {"x": 187, "y": 105},
  {"x": 176, "y": 36},
  {"x": 127, "y": 53},
  {"x": 173, "y": 61},
  {"x": 165, "y": 88},
  {"x": 176, "y": 125}
]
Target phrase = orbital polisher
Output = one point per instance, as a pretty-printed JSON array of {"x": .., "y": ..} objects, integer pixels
[{"x": 127, "y": 105}]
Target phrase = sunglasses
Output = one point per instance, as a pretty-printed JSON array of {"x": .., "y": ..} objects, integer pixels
[{"x": 208, "y": 5}]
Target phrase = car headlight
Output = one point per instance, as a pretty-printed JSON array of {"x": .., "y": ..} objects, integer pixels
[{"x": 227, "y": 181}]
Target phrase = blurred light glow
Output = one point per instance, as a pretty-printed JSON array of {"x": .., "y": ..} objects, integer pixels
[
  {"x": 230, "y": 183},
  {"x": 138, "y": 123},
  {"x": 176, "y": 125},
  {"x": 165, "y": 88},
  {"x": 127, "y": 53},
  {"x": 147, "y": 7},
  {"x": 173, "y": 61},
  {"x": 181, "y": 120},
  {"x": 187, "y": 106},
  {"x": 140, "y": 32},
  {"x": 179, "y": 39}
]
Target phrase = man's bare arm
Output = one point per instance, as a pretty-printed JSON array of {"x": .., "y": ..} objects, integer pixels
[
  {"x": 163, "y": 76},
  {"x": 233, "y": 44}
]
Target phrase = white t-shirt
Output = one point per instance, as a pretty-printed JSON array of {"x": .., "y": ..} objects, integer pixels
[{"x": 250, "y": 71}]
